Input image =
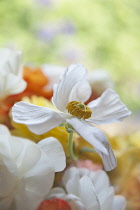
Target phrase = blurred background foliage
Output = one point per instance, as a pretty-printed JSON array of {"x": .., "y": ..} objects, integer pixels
[{"x": 97, "y": 33}]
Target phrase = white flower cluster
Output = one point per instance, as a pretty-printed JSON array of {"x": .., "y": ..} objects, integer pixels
[
  {"x": 27, "y": 170},
  {"x": 88, "y": 190}
]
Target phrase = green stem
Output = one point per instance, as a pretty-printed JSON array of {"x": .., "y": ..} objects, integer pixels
[{"x": 70, "y": 145}]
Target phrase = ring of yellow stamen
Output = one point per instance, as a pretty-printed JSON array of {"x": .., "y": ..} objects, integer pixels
[{"x": 79, "y": 110}]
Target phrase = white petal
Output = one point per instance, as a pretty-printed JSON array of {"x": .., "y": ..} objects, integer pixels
[
  {"x": 99, "y": 179},
  {"x": 70, "y": 173},
  {"x": 10, "y": 61},
  {"x": 6, "y": 154},
  {"x": 100, "y": 81},
  {"x": 84, "y": 172},
  {"x": 88, "y": 195},
  {"x": 4, "y": 56},
  {"x": 73, "y": 186},
  {"x": 54, "y": 152},
  {"x": 36, "y": 168},
  {"x": 109, "y": 161},
  {"x": 4, "y": 130},
  {"x": 27, "y": 200},
  {"x": 108, "y": 108},
  {"x": 76, "y": 205},
  {"x": 38, "y": 119},
  {"x": 70, "y": 82},
  {"x": 75, "y": 202},
  {"x": 119, "y": 203},
  {"x": 97, "y": 139},
  {"x": 107, "y": 205},
  {"x": 22, "y": 150},
  {"x": 11, "y": 84},
  {"x": 40, "y": 176},
  {"x": 7, "y": 181},
  {"x": 42, "y": 181},
  {"x": 53, "y": 72},
  {"x": 56, "y": 192},
  {"x": 80, "y": 92}
]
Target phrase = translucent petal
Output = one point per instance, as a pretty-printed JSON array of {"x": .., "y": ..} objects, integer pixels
[
  {"x": 38, "y": 119},
  {"x": 97, "y": 139},
  {"x": 108, "y": 108}
]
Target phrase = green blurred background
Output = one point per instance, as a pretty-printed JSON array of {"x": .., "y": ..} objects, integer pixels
[{"x": 99, "y": 34}]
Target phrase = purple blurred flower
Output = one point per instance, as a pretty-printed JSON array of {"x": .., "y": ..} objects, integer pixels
[
  {"x": 49, "y": 32},
  {"x": 47, "y": 3},
  {"x": 67, "y": 27}
]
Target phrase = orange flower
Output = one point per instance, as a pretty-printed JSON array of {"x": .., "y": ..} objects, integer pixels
[
  {"x": 36, "y": 82},
  {"x": 54, "y": 204}
]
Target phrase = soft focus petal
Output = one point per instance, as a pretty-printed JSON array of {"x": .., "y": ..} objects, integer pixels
[
  {"x": 21, "y": 150},
  {"x": 69, "y": 173},
  {"x": 55, "y": 153},
  {"x": 100, "y": 80},
  {"x": 99, "y": 179},
  {"x": 119, "y": 203},
  {"x": 7, "y": 186},
  {"x": 6, "y": 154},
  {"x": 73, "y": 186},
  {"x": 108, "y": 108},
  {"x": 38, "y": 119},
  {"x": 53, "y": 72},
  {"x": 40, "y": 178},
  {"x": 10, "y": 61},
  {"x": 107, "y": 205},
  {"x": 56, "y": 192},
  {"x": 88, "y": 195},
  {"x": 28, "y": 200},
  {"x": 11, "y": 84},
  {"x": 97, "y": 139},
  {"x": 68, "y": 89},
  {"x": 4, "y": 130},
  {"x": 26, "y": 173}
]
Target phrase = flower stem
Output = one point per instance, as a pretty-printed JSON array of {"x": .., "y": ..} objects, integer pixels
[{"x": 70, "y": 145}]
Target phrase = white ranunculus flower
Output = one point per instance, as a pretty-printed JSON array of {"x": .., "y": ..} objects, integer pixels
[
  {"x": 69, "y": 95},
  {"x": 88, "y": 190},
  {"x": 11, "y": 81},
  {"x": 27, "y": 170}
]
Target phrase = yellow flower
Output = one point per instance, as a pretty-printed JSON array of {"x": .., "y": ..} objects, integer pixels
[{"x": 23, "y": 131}]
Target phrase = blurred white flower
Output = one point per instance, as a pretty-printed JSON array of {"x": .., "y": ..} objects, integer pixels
[
  {"x": 27, "y": 170},
  {"x": 69, "y": 97},
  {"x": 11, "y": 81},
  {"x": 53, "y": 73},
  {"x": 99, "y": 81},
  {"x": 88, "y": 190}
]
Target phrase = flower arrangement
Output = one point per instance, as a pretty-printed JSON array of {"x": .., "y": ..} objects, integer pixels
[{"x": 45, "y": 130}]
